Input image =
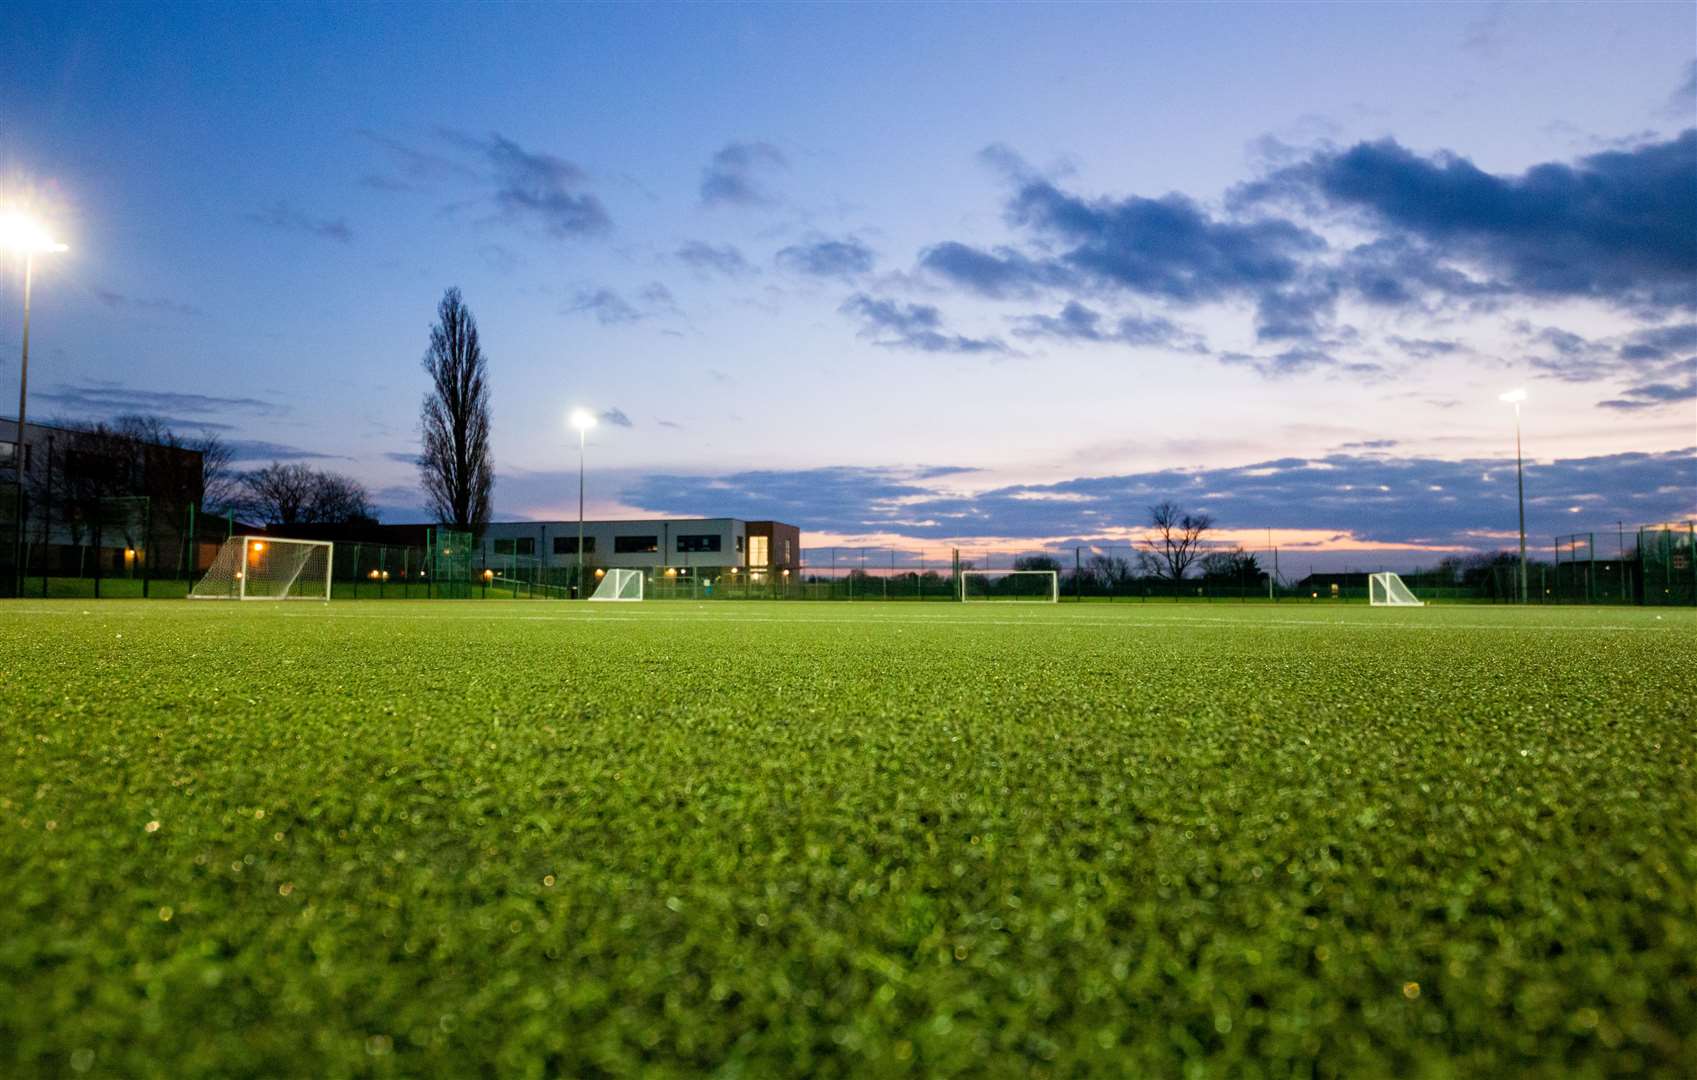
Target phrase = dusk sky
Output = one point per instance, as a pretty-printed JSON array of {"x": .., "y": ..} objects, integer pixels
[{"x": 899, "y": 273}]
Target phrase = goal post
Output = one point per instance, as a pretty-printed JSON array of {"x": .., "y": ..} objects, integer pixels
[
  {"x": 267, "y": 568},
  {"x": 1387, "y": 590},
  {"x": 619, "y": 585},
  {"x": 1030, "y": 586}
]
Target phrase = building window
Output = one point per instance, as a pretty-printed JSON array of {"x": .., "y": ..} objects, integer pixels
[
  {"x": 786, "y": 551},
  {"x": 699, "y": 542},
  {"x": 635, "y": 545},
  {"x": 759, "y": 551},
  {"x": 567, "y": 545},
  {"x": 520, "y": 545},
  {"x": 739, "y": 545}
]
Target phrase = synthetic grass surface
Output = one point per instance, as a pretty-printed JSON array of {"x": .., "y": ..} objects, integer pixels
[{"x": 540, "y": 839}]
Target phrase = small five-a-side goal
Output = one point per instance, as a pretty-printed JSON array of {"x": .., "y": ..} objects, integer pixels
[{"x": 268, "y": 568}]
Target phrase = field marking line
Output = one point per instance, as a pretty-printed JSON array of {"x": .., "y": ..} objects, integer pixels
[
  {"x": 953, "y": 617},
  {"x": 932, "y": 620}
]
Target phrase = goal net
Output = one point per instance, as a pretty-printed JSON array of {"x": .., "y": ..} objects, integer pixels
[
  {"x": 619, "y": 585},
  {"x": 1036, "y": 586},
  {"x": 1387, "y": 590},
  {"x": 267, "y": 568}
]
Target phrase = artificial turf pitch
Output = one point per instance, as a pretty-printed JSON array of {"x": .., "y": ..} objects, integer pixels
[{"x": 763, "y": 839}]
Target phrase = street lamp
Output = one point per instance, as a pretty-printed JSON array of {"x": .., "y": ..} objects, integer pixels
[
  {"x": 28, "y": 238},
  {"x": 1515, "y": 397},
  {"x": 583, "y": 420}
]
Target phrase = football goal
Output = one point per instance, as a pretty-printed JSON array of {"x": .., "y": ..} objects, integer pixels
[
  {"x": 1036, "y": 586},
  {"x": 267, "y": 568},
  {"x": 1387, "y": 590},
  {"x": 619, "y": 585}
]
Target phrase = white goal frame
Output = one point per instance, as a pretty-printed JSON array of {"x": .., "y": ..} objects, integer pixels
[
  {"x": 619, "y": 586},
  {"x": 1387, "y": 590},
  {"x": 231, "y": 561},
  {"x": 1054, "y": 586}
]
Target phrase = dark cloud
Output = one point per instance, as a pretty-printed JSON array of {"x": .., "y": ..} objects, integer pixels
[
  {"x": 280, "y": 215},
  {"x": 894, "y": 324},
  {"x": 1615, "y": 226},
  {"x": 416, "y": 166},
  {"x": 110, "y": 399},
  {"x": 242, "y": 450},
  {"x": 1683, "y": 101},
  {"x": 1652, "y": 395},
  {"x": 121, "y": 302},
  {"x": 734, "y": 176},
  {"x": 545, "y": 189},
  {"x": 1169, "y": 248},
  {"x": 1297, "y": 360},
  {"x": 1076, "y": 322},
  {"x": 615, "y": 417},
  {"x": 1374, "y": 496},
  {"x": 1660, "y": 342},
  {"x": 999, "y": 274},
  {"x": 658, "y": 295},
  {"x": 718, "y": 258},
  {"x": 608, "y": 307},
  {"x": 843, "y": 259},
  {"x": 1426, "y": 348}
]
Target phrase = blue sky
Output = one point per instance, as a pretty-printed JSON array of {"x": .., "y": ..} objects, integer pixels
[{"x": 896, "y": 273}]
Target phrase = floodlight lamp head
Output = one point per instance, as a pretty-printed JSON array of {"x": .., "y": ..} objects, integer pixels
[
  {"x": 23, "y": 234},
  {"x": 1513, "y": 397},
  {"x": 581, "y": 419}
]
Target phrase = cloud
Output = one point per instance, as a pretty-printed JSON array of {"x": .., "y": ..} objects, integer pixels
[
  {"x": 259, "y": 450},
  {"x": 1374, "y": 496},
  {"x": 843, "y": 259},
  {"x": 615, "y": 417},
  {"x": 280, "y": 215},
  {"x": 1076, "y": 322},
  {"x": 121, "y": 302},
  {"x": 1652, "y": 395},
  {"x": 1297, "y": 360},
  {"x": 658, "y": 295},
  {"x": 418, "y": 168},
  {"x": 893, "y": 324},
  {"x": 1683, "y": 101},
  {"x": 734, "y": 176},
  {"x": 402, "y": 457},
  {"x": 111, "y": 399},
  {"x": 608, "y": 307},
  {"x": 1660, "y": 342},
  {"x": 1614, "y": 226},
  {"x": 1426, "y": 348},
  {"x": 545, "y": 189},
  {"x": 1000, "y": 273},
  {"x": 723, "y": 259}
]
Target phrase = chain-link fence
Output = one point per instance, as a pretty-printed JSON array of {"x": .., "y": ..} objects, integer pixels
[{"x": 132, "y": 546}]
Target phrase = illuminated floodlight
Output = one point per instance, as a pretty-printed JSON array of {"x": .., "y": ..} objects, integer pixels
[
  {"x": 1513, "y": 397},
  {"x": 23, "y": 234},
  {"x": 581, "y": 419}
]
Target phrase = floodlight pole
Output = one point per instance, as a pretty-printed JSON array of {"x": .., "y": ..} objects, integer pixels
[
  {"x": 18, "y": 446},
  {"x": 1520, "y": 490},
  {"x": 581, "y": 434}
]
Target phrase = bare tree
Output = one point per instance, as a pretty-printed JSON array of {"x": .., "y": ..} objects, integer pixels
[
  {"x": 1176, "y": 541},
  {"x": 456, "y": 467},
  {"x": 298, "y": 495},
  {"x": 219, "y": 483}
]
